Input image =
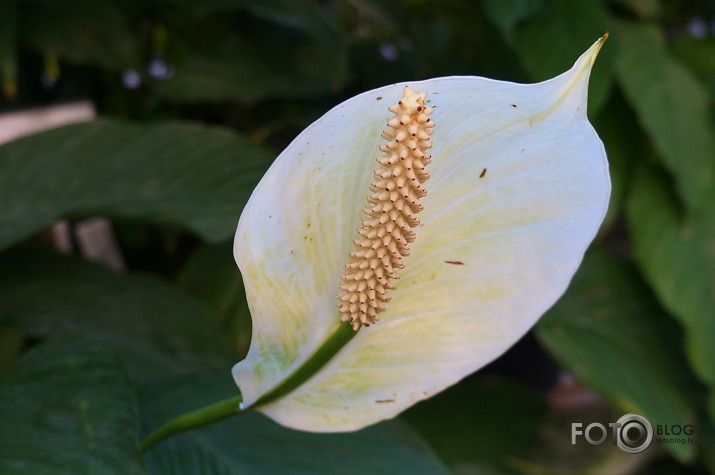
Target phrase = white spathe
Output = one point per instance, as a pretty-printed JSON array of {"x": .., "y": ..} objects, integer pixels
[{"x": 496, "y": 248}]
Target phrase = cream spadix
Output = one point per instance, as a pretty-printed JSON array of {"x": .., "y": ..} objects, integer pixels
[
  {"x": 386, "y": 231},
  {"x": 519, "y": 186}
]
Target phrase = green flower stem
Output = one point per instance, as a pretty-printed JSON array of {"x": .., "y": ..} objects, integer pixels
[
  {"x": 192, "y": 420},
  {"x": 335, "y": 342},
  {"x": 229, "y": 407}
]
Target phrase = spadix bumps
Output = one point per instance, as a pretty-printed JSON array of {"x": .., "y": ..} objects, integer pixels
[
  {"x": 491, "y": 254},
  {"x": 387, "y": 230}
]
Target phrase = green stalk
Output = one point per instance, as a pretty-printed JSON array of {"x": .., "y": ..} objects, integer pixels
[
  {"x": 229, "y": 407},
  {"x": 192, "y": 420},
  {"x": 340, "y": 337}
]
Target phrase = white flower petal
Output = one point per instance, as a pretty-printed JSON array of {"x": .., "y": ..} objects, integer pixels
[{"x": 496, "y": 249}]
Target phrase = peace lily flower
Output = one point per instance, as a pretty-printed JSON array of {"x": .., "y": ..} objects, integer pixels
[
  {"x": 517, "y": 190},
  {"x": 484, "y": 239}
]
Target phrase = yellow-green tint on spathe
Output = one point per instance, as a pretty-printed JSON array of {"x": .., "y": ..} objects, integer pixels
[{"x": 519, "y": 186}]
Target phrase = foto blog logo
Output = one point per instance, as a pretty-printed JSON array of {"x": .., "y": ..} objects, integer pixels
[{"x": 632, "y": 433}]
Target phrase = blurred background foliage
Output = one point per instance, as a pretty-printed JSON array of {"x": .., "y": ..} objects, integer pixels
[{"x": 197, "y": 97}]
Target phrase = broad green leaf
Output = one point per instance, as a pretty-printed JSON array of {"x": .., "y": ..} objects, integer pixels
[
  {"x": 672, "y": 107},
  {"x": 12, "y": 339},
  {"x": 553, "y": 452},
  {"x": 81, "y": 31},
  {"x": 625, "y": 144},
  {"x": 301, "y": 54},
  {"x": 211, "y": 276},
  {"x": 195, "y": 176},
  {"x": 519, "y": 186},
  {"x": 676, "y": 252},
  {"x": 548, "y": 41},
  {"x": 69, "y": 407},
  {"x": 706, "y": 441},
  {"x": 480, "y": 421},
  {"x": 610, "y": 333},
  {"x": 156, "y": 328},
  {"x": 507, "y": 14},
  {"x": 698, "y": 55},
  {"x": 251, "y": 443}
]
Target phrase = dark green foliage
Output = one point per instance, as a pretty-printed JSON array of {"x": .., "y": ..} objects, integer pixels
[
  {"x": 69, "y": 406},
  {"x": 198, "y": 97},
  {"x": 211, "y": 275},
  {"x": 157, "y": 329},
  {"x": 480, "y": 422},
  {"x": 252, "y": 443},
  {"x": 608, "y": 330},
  {"x": 193, "y": 176}
]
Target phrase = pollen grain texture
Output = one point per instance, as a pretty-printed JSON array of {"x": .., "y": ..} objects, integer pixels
[{"x": 386, "y": 231}]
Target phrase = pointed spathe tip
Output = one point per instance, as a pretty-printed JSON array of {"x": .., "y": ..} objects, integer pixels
[
  {"x": 577, "y": 77},
  {"x": 599, "y": 43},
  {"x": 581, "y": 69},
  {"x": 595, "y": 48}
]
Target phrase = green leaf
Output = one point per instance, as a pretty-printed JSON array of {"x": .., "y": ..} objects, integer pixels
[
  {"x": 625, "y": 143},
  {"x": 672, "y": 107},
  {"x": 706, "y": 441},
  {"x": 480, "y": 421},
  {"x": 676, "y": 252},
  {"x": 507, "y": 14},
  {"x": 194, "y": 176},
  {"x": 81, "y": 31},
  {"x": 69, "y": 407},
  {"x": 698, "y": 55},
  {"x": 307, "y": 55},
  {"x": 12, "y": 339},
  {"x": 610, "y": 333},
  {"x": 563, "y": 29},
  {"x": 251, "y": 443},
  {"x": 211, "y": 275},
  {"x": 156, "y": 328}
]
